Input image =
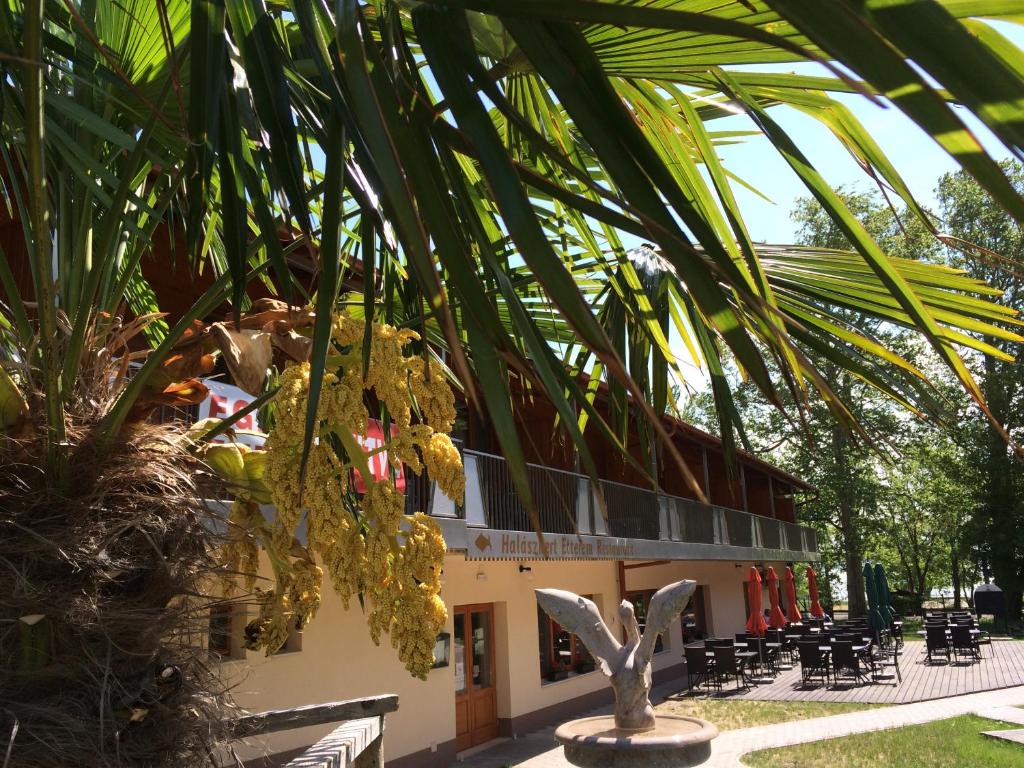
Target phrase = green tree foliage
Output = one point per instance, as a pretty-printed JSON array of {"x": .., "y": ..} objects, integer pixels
[
  {"x": 480, "y": 165},
  {"x": 997, "y": 531},
  {"x": 902, "y": 488}
]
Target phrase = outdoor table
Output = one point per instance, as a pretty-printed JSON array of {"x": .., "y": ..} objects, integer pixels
[{"x": 747, "y": 658}]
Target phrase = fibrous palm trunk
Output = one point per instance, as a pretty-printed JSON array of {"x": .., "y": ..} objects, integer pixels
[{"x": 99, "y": 602}]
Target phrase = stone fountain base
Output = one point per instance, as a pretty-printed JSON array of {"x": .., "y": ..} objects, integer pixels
[{"x": 675, "y": 741}]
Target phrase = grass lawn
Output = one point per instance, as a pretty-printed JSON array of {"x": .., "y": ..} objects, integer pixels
[
  {"x": 952, "y": 743},
  {"x": 728, "y": 715}
]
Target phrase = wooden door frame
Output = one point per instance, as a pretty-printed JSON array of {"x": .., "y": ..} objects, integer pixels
[{"x": 467, "y": 610}]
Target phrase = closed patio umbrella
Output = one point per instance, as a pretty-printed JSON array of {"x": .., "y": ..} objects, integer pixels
[
  {"x": 812, "y": 590},
  {"x": 792, "y": 608},
  {"x": 776, "y": 618},
  {"x": 875, "y": 619},
  {"x": 755, "y": 624},
  {"x": 884, "y": 599}
]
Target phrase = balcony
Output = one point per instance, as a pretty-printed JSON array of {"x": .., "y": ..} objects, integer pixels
[{"x": 644, "y": 523}]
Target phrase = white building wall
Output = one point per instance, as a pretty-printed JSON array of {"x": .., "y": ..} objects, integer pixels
[{"x": 339, "y": 661}]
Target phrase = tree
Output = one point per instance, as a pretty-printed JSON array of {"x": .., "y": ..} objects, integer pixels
[
  {"x": 997, "y": 256},
  {"x": 472, "y": 168},
  {"x": 927, "y": 499},
  {"x": 902, "y": 490}
]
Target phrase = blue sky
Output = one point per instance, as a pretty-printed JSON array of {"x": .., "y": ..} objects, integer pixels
[{"x": 918, "y": 159}]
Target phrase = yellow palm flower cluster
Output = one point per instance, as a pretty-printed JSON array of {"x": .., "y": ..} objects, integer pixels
[
  {"x": 444, "y": 465},
  {"x": 366, "y": 542},
  {"x": 304, "y": 591},
  {"x": 240, "y": 554},
  {"x": 407, "y": 605},
  {"x": 269, "y": 630}
]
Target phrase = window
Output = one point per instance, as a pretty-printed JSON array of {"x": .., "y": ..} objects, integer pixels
[
  {"x": 693, "y": 620},
  {"x": 562, "y": 654},
  {"x": 641, "y": 602},
  {"x": 221, "y": 635},
  {"x": 294, "y": 642}
]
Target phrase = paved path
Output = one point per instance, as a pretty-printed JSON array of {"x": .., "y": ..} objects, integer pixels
[
  {"x": 1013, "y": 715},
  {"x": 730, "y": 746},
  {"x": 1006, "y": 714}
]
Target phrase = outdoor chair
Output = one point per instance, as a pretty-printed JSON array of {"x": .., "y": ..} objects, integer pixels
[
  {"x": 812, "y": 661},
  {"x": 896, "y": 632},
  {"x": 936, "y": 642},
  {"x": 742, "y": 637},
  {"x": 728, "y": 666},
  {"x": 844, "y": 658},
  {"x": 786, "y": 646},
  {"x": 887, "y": 665},
  {"x": 964, "y": 643},
  {"x": 698, "y": 666},
  {"x": 767, "y": 656}
]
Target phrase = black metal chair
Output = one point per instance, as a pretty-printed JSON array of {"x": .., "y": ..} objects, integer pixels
[
  {"x": 786, "y": 646},
  {"x": 768, "y": 657},
  {"x": 896, "y": 632},
  {"x": 936, "y": 642},
  {"x": 889, "y": 658},
  {"x": 698, "y": 666},
  {"x": 964, "y": 643},
  {"x": 812, "y": 660},
  {"x": 844, "y": 658},
  {"x": 728, "y": 666}
]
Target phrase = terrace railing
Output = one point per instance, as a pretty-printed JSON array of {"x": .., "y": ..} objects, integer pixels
[
  {"x": 358, "y": 742},
  {"x": 567, "y": 502}
]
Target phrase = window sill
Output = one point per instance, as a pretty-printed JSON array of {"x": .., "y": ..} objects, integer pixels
[{"x": 544, "y": 682}]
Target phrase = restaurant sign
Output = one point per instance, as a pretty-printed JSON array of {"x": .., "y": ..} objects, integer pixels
[
  {"x": 490, "y": 544},
  {"x": 225, "y": 400}
]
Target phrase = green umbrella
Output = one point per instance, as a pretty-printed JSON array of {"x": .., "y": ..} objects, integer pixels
[
  {"x": 884, "y": 600},
  {"x": 875, "y": 619}
]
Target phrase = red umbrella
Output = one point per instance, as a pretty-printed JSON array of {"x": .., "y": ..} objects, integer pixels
[
  {"x": 777, "y": 619},
  {"x": 755, "y": 624},
  {"x": 812, "y": 589},
  {"x": 792, "y": 609}
]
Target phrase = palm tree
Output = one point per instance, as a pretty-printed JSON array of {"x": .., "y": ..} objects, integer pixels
[{"x": 535, "y": 186}]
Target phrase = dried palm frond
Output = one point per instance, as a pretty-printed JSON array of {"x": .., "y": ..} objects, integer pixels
[{"x": 101, "y": 597}]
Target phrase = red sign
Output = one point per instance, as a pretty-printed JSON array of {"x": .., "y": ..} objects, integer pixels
[
  {"x": 226, "y": 399},
  {"x": 379, "y": 461}
]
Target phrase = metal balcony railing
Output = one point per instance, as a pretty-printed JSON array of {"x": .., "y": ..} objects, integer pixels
[
  {"x": 567, "y": 502},
  {"x": 554, "y": 495},
  {"x": 771, "y": 532}
]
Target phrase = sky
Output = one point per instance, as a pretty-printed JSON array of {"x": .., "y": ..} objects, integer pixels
[{"x": 917, "y": 158}]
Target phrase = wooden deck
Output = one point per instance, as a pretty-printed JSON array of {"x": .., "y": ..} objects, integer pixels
[{"x": 1002, "y": 666}]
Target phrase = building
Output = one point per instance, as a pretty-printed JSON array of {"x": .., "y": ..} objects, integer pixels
[{"x": 504, "y": 667}]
